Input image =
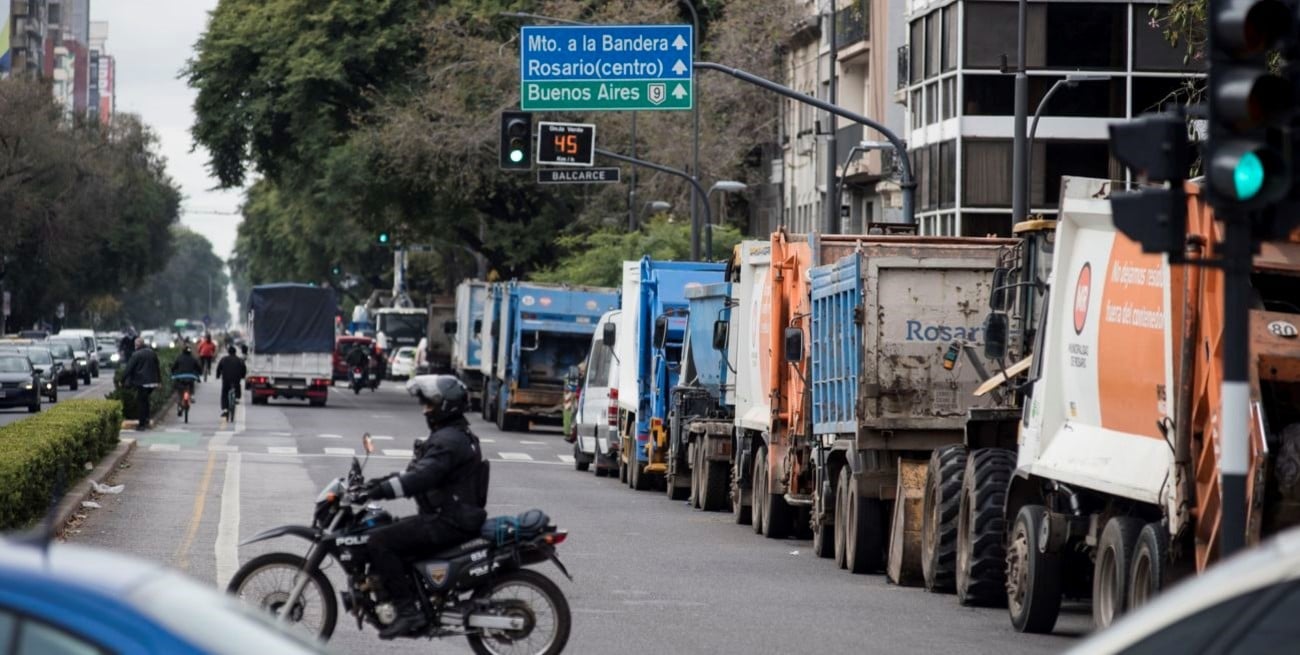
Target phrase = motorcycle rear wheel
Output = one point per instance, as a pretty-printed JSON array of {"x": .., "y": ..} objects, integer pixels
[
  {"x": 266, "y": 581},
  {"x": 522, "y": 592}
]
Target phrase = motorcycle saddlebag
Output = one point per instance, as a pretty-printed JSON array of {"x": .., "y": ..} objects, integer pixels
[{"x": 509, "y": 529}]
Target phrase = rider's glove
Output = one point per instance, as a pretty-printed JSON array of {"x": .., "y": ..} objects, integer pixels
[{"x": 384, "y": 489}]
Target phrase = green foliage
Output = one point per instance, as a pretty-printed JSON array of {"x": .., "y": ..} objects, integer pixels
[
  {"x": 51, "y": 448},
  {"x": 86, "y": 209},
  {"x": 181, "y": 290},
  {"x": 160, "y": 396},
  {"x": 597, "y": 258}
]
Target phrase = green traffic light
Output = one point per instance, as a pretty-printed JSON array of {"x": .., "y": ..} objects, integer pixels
[
  {"x": 516, "y": 156},
  {"x": 383, "y": 237},
  {"x": 1248, "y": 176}
]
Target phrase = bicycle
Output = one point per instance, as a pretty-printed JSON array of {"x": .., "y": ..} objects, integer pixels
[
  {"x": 185, "y": 389},
  {"x": 232, "y": 399}
]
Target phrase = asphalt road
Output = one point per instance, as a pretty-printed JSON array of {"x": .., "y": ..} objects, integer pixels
[
  {"x": 98, "y": 387},
  {"x": 650, "y": 575}
]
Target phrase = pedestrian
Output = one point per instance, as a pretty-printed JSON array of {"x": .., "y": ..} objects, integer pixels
[
  {"x": 231, "y": 371},
  {"x": 127, "y": 345},
  {"x": 143, "y": 374}
]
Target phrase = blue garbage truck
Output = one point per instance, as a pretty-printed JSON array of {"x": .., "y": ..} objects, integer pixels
[
  {"x": 649, "y": 349},
  {"x": 539, "y": 333},
  {"x": 701, "y": 415},
  {"x": 467, "y": 340}
]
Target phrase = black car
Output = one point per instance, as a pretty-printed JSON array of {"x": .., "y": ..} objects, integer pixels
[
  {"x": 86, "y": 363},
  {"x": 70, "y": 373},
  {"x": 19, "y": 383},
  {"x": 47, "y": 369}
]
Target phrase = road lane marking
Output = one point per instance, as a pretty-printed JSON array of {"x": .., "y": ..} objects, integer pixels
[
  {"x": 533, "y": 443},
  {"x": 282, "y": 450},
  {"x": 340, "y": 451},
  {"x": 330, "y": 436},
  {"x": 227, "y": 544},
  {"x": 171, "y": 447},
  {"x": 567, "y": 459},
  {"x": 518, "y": 457},
  {"x": 487, "y": 440},
  {"x": 282, "y": 434},
  {"x": 182, "y": 556},
  {"x": 381, "y": 437},
  {"x": 398, "y": 452}
]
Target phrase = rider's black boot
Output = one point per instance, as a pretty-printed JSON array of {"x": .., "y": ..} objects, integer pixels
[{"x": 409, "y": 619}]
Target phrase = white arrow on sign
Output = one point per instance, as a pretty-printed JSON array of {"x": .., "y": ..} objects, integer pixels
[
  {"x": 679, "y": 42},
  {"x": 679, "y": 67},
  {"x": 679, "y": 92}
]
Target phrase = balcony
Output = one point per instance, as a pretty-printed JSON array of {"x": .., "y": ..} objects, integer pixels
[
  {"x": 852, "y": 23},
  {"x": 903, "y": 57}
]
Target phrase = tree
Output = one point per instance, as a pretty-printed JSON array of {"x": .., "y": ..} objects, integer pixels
[
  {"x": 596, "y": 258},
  {"x": 182, "y": 290}
]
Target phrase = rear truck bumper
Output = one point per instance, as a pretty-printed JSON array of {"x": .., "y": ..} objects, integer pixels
[
  {"x": 543, "y": 406},
  {"x": 316, "y": 389}
]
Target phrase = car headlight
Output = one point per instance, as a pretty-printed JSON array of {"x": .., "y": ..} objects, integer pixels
[
  {"x": 114, "y": 357},
  {"x": 81, "y": 361},
  {"x": 28, "y": 386}
]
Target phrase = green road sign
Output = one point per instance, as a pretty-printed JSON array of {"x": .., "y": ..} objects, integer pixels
[
  {"x": 606, "y": 68},
  {"x": 606, "y": 96}
]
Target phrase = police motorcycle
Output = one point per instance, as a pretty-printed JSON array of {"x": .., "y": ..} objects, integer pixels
[{"x": 480, "y": 590}]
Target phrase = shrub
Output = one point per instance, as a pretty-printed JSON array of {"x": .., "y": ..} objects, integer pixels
[
  {"x": 36, "y": 452},
  {"x": 160, "y": 395}
]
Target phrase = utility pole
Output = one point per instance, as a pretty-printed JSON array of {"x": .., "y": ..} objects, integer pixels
[
  {"x": 832, "y": 213},
  {"x": 1019, "y": 174}
]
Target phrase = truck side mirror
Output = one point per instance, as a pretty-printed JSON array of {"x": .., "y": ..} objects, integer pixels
[
  {"x": 661, "y": 331},
  {"x": 449, "y": 327},
  {"x": 998, "y": 297},
  {"x": 720, "y": 335},
  {"x": 793, "y": 345},
  {"x": 478, "y": 326},
  {"x": 609, "y": 335},
  {"x": 995, "y": 337}
]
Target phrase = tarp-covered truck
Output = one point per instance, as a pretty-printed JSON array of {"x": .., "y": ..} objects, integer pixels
[
  {"x": 1116, "y": 483},
  {"x": 292, "y": 350}
]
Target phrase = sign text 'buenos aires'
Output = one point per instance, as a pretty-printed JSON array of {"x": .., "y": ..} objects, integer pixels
[{"x": 606, "y": 67}]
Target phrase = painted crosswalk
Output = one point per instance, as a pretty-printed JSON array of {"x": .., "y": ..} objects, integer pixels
[
  {"x": 224, "y": 446},
  {"x": 521, "y": 457},
  {"x": 340, "y": 451},
  {"x": 398, "y": 452},
  {"x": 282, "y": 450}
]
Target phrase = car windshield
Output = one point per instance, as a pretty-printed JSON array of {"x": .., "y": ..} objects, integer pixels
[
  {"x": 214, "y": 622},
  {"x": 14, "y": 364},
  {"x": 61, "y": 350}
]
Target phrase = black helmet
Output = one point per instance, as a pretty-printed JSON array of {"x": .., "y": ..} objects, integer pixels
[{"x": 444, "y": 396}]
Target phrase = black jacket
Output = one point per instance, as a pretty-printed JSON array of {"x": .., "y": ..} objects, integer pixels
[
  {"x": 358, "y": 357},
  {"x": 448, "y": 476},
  {"x": 230, "y": 370},
  {"x": 142, "y": 369},
  {"x": 186, "y": 363}
]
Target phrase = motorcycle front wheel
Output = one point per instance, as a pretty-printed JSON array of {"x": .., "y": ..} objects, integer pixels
[
  {"x": 533, "y": 597},
  {"x": 266, "y": 582}
]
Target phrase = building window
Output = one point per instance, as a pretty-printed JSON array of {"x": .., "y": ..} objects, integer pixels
[
  {"x": 986, "y": 165},
  {"x": 932, "y": 103},
  {"x": 916, "y": 108},
  {"x": 1097, "y": 99},
  {"x": 933, "y": 41},
  {"x": 1078, "y": 158},
  {"x": 936, "y": 178},
  {"x": 1151, "y": 50},
  {"x": 991, "y": 34},
  {"x": 918, "y": 51},
  {"x": 54, "y": 14},
  {"x": 949, "y": 97},
  {"x": 921, "y": 170},
  {"x": 1153, "y": 93},
  {"x": 947, "y": 173},
  {"x": 949, "y": 38},
  {"x": 1084, "y": 35},
  {"x": 982, "y": 225},
  {"x": 990, "y": 95}
]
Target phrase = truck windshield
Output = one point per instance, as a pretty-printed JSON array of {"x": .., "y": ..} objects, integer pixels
[{"x": 402, "y": 326}]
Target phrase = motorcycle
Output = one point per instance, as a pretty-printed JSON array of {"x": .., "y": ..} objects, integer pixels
[
  {"x": 479, "y": 590},
  {"x": 358, "y": 380}
]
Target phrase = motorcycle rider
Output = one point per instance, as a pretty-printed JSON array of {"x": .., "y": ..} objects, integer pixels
[
  {"x": 359, "y": 357},
  {"x": 448, "y": 479}
]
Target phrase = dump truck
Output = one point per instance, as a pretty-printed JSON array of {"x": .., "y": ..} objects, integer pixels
[
  {"x": 649, "y": 348},
  {"x": 700, "y": 414},
  {"x": 467, "y": 339},
  {"x": 441, "y": 340},
  {"x": 292, "y": 351},
  {"x": 541, "y": 331},
  {"x": 1114, "y": 491}
]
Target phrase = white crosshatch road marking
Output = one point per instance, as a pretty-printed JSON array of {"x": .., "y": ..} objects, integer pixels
[
  {"x": 340, "y": 451},
  {"x": 398, "y": 452},
  {"x": 519, "y": 457},
  {"x": 567, "y": 459},
  {"x": 282, "y": 450}
]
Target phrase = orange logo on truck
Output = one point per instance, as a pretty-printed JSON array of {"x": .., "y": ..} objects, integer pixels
[{"x": 1082, "y": 289}]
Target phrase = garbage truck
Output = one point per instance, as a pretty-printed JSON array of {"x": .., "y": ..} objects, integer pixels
[{"x": 467, "y": 339}]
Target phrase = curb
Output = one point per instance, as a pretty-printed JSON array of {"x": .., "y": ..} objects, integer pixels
[{"x": 71, "y": 502}]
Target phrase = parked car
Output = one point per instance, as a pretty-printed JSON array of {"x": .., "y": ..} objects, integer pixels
[
  {"x": 43, "y": 363},
  {"x": 19, "y": 382},
  {"x": 65, "y": 599},
  {"x": 88, "y": 344},
  {"x": 69, "y": 373},
  {"x": 402, "y": 364},
  {"x": 595, "y": 424},
  {"x": 87, "y": 363}
]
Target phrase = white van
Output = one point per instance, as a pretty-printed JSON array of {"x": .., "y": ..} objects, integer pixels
[{"x": 596, "y": 422}]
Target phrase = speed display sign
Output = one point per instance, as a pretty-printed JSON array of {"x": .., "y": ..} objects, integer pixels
[{"x": 566, "y": 144}]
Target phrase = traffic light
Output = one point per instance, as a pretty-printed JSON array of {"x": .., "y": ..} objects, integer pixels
[
  {"x": 516, "y": 135},
  {"x": 383, "y": 238},
  {"x": 336, "y": 270},
  {"x": 1155, "y": 147},
  {"x": 1249, "y": 106}
]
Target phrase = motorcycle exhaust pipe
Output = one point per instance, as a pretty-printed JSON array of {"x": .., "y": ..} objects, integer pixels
[{"x": 485, "y": 621}]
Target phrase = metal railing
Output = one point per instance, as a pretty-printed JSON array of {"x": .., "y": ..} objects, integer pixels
[
  {"x": 904, "y": 55},
  {"x": 852, "y": 23}
]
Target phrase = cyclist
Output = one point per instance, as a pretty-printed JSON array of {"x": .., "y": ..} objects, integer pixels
[
  {"x": 231, "y": 371},
  {"x": 207, "y": 353},
  {"x": 185, "y": 372}
]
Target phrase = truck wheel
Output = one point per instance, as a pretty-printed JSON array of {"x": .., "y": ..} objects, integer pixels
[
  {"x": 981, "y": 528},
  {"x": 1033, "y": 576},
  {"x": 636, "y": 477},
  {"x": 622, "y": 471},
  {"x": 713, "y": 485},
  {"x": 1147, "y": 575},
  {"x": 778, "y": 516},
  {"x": 697, "y": 477},
  {"x": 741, "y": 513},
  {"x": 939, "y": 525},
  {"x": 859, "y": 544},
  {"x": 1110, "y": 572},
  {"x": 579, "y": 462}
]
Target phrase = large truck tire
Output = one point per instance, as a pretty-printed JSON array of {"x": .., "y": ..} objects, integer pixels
[
  {"x": 580, "y": 461},
  {"x": 774, "y": 517},
  {"x": 859, "y": 526},
  {"x": 674, "y": 490},
  {"x": 714, "y": 495},
  {"x": 1148, "y": 573},
  {"x": 741, "y": 513},
  {"x": 981, "y": 528},
  {"x": 1033, "y": 576},
  {"x": 939, "y": 523},
  {"x": 1110, "y": 574},
  {"x": 636, "y": 475},
  {"x": 696, "y": 497}
]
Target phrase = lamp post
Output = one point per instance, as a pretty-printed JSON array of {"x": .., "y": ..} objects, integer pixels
[
  {"x": 725, "y": 186},
  {"x": 862, "y": 146},
  {"x": 652, "y": 206},
  {"x": 1070, "y": 81}
]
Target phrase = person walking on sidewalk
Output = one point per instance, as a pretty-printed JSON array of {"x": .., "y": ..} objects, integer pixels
[
  {"x": 231, "y": 371},
  {"x": 143, "y": 374}
]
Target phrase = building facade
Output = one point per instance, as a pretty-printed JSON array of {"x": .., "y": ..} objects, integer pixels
[
  {"x": 100, "y": 99},
  {"x": 958, "y": 86},
  {"x": 27, "y": 38}
]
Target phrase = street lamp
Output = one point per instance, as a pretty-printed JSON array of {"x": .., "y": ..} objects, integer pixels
[
  {"x": 1070, "y": 81},
  {"x": 655, "y": 206},
  {"x": 862, "y": 146},
  {"x": 725, "y": 186}
]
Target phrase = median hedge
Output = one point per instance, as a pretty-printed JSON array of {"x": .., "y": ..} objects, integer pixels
[
  {"x": 35, "y": 450},
  {"x": 160, "y": 396}
]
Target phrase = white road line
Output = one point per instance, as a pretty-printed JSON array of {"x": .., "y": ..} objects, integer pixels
[
  {"x": 567, "y": 459},
  {"x": 227, "y": 544},
  {"x": 381, "y": 437},
  {"x": 520, "y": 457},
  {"x": 223, "y": 433},
  {"x": 282, "y": 434},
  {"x": 487, "y": 440},
  {"x": 170, "y": 447},
  {"x": 340, "y": 451},
  {"x": 282, "y": 450},
  {"x": 330, "y": 436},
  {"x": 398, "y": 452},
  {"x": 533, "y": 443},
  {"x": 241, "y": 415}
]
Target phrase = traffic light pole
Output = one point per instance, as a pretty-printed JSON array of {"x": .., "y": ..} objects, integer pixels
[
  {"x": 1234, "y": 431},
  {"x": 695, "y": 184}
]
